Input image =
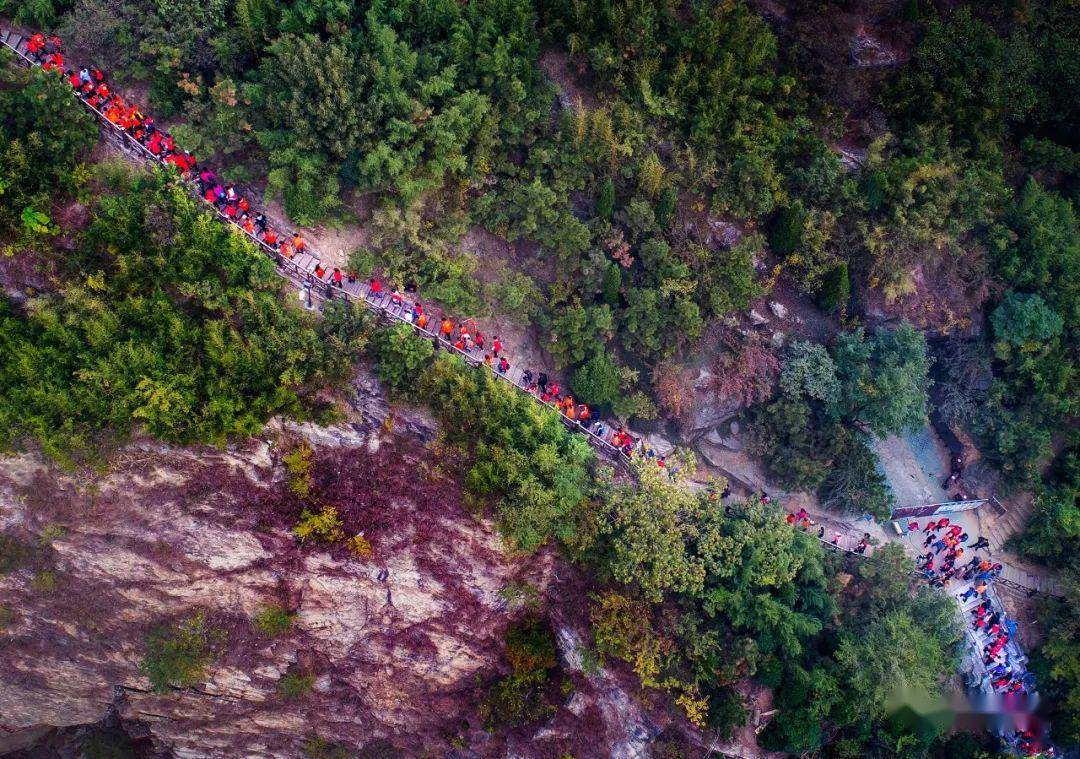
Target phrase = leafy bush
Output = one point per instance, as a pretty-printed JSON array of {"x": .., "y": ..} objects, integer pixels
[
  {"x": 401, "y": 358},
  {"x": 274, "y": 621},
  {"x": 835, "y": 289},
  {"x": 170, "y": 322},
  {"x": 177, "y": 656},
  {"x": 519, "y": 698},
  {"x": 323, "y": 526},
  {"x": 298, "y": 464}
]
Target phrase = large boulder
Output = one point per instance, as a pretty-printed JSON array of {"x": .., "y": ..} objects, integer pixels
[
  {"x": 659, "y": 444},
  {"x": 780, "y": 311}
]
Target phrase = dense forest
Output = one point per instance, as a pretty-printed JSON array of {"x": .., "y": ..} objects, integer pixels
[{"x": 942, "y": 261}]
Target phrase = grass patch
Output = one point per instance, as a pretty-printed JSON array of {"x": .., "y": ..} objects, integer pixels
[
  {"x": 296, "y": 684},
  {"x": 274, "y": 621}
]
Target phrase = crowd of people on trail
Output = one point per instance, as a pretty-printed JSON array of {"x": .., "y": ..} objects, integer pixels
[
  {"x": 91, "y": 85},
  {"x": 801, "y": 519},
  {"x": 466, "y": 338},
  {"x": 1030, "y": 739},
  {"x": 943, "y": 562}
]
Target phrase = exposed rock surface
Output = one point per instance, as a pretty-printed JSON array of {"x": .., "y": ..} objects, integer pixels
[
  {"x": 163, "y": 534},
  {"x": 402, "y": 645},
  {"x": 867, "y": 51}
]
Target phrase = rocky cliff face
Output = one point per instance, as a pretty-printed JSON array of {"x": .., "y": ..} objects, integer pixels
[{"x": 400, "y": 644}]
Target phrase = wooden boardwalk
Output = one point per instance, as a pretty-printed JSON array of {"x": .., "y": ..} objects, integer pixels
[{"x": 300, "y": 270}]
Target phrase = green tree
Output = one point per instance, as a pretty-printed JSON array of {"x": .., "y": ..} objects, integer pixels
[
  {"x": 793, "y": 443},
  {"x": 835, "y": 289},
  {"x": 665, "y": 206},
  {"x": 967, "y": 76},
  {"x": 810, "y": 372},
  {"x": 786, "y": 231},
  {"x": 612, "y": 285},
  {"x": 854, "y": 484},
  {"x": 44, "y": 132},
  {"x": 535, "y": 470},
  {"x": 577, "y": 329},
  {"x": 884, "y": 609},
  {"x": 726, "y": 279},
  {"x": 764, "y": 579},
  {"x": 169, "y": 322},
  {"x": 1054, "y": 527},
  {"x": 883, "y": 379},
  {"x": 605, "y": 201},
  {"x": 653, "y": 528},
  {"x": 1056, "y": 663},
  {"x": 1025, "y": 323},
  {"x": 596, "y": 382},
  {"x": 1042, "y": 256}
]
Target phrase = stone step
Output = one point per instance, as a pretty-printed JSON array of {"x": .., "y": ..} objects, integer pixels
[{"x": 353, "y": 288}]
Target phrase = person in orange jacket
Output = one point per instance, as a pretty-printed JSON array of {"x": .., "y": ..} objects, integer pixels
[
  {"x": 35, "y": 45},
  {"x": 53, "y": 61}
]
